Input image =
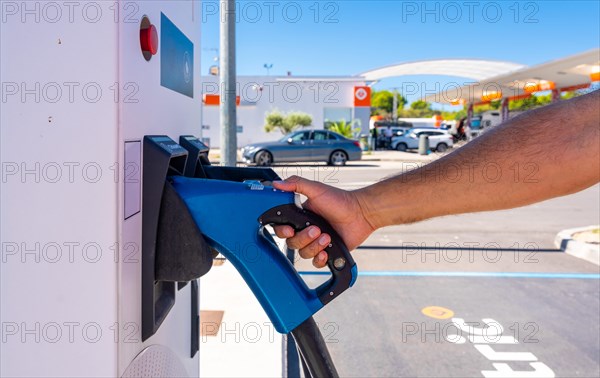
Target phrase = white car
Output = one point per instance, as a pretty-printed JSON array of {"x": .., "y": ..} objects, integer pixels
[{"x": 439, "y": 140}]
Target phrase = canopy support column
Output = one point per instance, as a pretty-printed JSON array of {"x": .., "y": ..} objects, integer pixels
[
  {"x": 505, "y": 110},
  {"x": 469, "y": 114},
  {"x": 555, "y": 95}
]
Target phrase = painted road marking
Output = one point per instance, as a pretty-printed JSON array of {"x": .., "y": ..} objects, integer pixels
[
  {"x": 492, "y": 333},
  {"x": 581, "y": 276},
  {"x": 437, "y": 312}
]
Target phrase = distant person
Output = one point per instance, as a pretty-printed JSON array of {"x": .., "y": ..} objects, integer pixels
[
  {"x": 388, "y": 137},
  {"x": 374, "y": 138},
  {"x": 381, "y": 139},
  {"x": 460, "y": 130},
  {"x": 479, "y": 176}
]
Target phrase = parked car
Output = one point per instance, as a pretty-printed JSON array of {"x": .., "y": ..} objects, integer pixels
[
  {"x": 439, "y": 140},
  {"x": 305, "y": 145},
  {"x": 398, "y": 128},
  {"x": 476, "y": 127},
  {"x": 491, "y": 118},
  {"x": 396, "y": 131},
  {"x": 476, "y": 123}
]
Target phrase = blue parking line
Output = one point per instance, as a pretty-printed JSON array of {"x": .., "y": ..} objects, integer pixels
[{"x": 581, "y": 276}]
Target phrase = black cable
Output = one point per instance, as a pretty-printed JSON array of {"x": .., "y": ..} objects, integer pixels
[
  {"x": 313, "y": 350},
  {"x": 293, "y": 359},
  {"x": 305, "y": 370}
]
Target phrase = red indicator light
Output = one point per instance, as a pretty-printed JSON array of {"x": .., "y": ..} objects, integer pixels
[{"x": 149, "y": 40}]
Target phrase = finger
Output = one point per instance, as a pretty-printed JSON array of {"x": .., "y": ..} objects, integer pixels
[
  {"x": 315, "y": 247},
  {"x": 304, "y": 237},
  {"x": 300, "y": 185},
  {"x": 320, "y": 260},
  {"x": 284, "y": 231}
]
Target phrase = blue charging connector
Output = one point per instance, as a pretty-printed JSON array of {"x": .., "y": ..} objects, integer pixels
[{"x": 232, "y": 216}]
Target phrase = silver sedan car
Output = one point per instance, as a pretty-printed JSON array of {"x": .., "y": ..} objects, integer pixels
[{"x": 305, "y": 145}]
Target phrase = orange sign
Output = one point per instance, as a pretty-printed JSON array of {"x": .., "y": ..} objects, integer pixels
[
  {"x": 546, "y": 85},
  {"x": 362, "y": 96},
  {"x": 215, "y": 99},
  {"x": 595, "y": 74},
  {"x": 543, "y": 85},
  {"x": 491, "y": 95},
  {"x": 530, "y": 87}
]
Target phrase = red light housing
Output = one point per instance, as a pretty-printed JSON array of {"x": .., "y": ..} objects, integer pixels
[{"x": 149, "y": 40}]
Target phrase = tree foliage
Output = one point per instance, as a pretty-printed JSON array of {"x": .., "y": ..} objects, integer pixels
[
  {"x": 457, "y": 116},
  {"x": 420, "y": 105},
  {"x": 535, "y": 101},
  {"x": 286, "y": 123},
  {"x": 417, "y": 109},
  {"x": 297, "y": 119},
  {"x": 524, "y": 103},
  {"x": 571, "y": 94},
  {"x": 382, "y": 102}
]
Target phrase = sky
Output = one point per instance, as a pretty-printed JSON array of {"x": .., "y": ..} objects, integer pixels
[{"x": 352, "y": 36}]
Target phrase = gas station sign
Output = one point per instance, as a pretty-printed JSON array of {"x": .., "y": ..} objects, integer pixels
[{"x": 362, "y": 96}]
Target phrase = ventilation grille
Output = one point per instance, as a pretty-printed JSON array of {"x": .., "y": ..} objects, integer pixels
[{"x": 155, "y": 361}]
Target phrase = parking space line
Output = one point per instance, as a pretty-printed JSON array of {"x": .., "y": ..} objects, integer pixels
[{"x": 581, "y": 276}]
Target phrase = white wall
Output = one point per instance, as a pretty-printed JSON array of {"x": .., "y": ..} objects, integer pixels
[{"x": 261, "y": 94}]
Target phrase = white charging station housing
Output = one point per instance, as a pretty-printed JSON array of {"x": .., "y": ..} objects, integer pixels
[{"x": 78, "y": 96}]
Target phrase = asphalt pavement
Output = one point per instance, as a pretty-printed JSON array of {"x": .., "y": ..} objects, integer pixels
[
  {"x": 507, "y": 302},
  {"x": 475, "y": 295}
]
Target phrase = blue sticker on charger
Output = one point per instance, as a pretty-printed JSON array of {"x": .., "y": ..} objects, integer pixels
[{"x": 176, "y": 58}]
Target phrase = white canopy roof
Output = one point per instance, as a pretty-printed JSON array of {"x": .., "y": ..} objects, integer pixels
[
  {"x": 565, "y": 73},
  {"x": 477, "y": 69}
]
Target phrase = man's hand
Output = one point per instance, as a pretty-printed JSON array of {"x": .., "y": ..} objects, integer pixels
[{"x": 342, "y": 209}]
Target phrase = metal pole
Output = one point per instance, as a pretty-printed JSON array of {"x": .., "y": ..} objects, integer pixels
[
  {"x": 469, "y": 114},
  {"x": 228, "y": 118},
  {"x": 395, "y": 105}
]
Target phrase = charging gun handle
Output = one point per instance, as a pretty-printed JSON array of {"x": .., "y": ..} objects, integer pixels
[{"x": 340, "y": 262}]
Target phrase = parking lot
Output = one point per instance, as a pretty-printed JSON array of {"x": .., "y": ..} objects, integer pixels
[{"x": 528, "y": 309}]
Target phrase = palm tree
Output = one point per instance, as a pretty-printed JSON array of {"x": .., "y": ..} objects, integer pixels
[{"x": 344, "y": 127}]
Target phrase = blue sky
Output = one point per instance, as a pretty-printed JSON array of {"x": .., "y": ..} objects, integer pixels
[{"x": 350, "y": 36}]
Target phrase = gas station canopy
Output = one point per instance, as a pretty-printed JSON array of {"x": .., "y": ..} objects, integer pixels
[{"x": 494, "y": 80}]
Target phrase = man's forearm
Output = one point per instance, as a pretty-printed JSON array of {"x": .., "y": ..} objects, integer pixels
[{"x": 545, "y": 153}]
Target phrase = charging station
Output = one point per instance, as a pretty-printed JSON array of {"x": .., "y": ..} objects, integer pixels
[
  {"x": 111, "y": 210},
  {"x": 82, "y": 85}
]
